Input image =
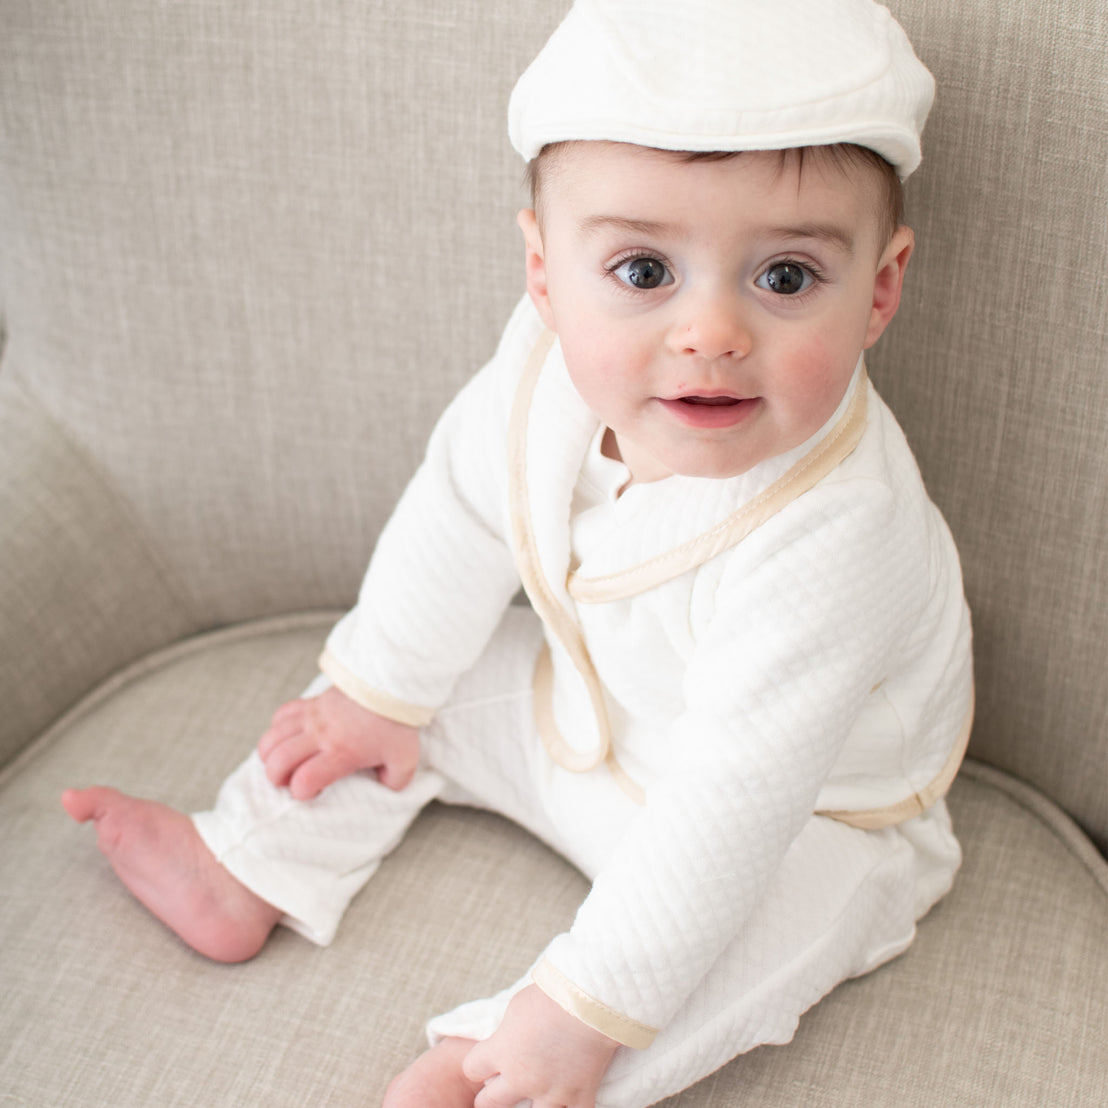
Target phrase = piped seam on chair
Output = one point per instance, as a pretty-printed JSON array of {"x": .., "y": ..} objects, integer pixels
[{"x": 1050, "y": 814}]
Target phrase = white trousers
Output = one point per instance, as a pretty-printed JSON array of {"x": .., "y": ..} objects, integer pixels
[{"x": 843, "y": 902}]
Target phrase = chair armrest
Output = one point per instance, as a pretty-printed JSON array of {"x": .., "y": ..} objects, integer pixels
[{"x": 81, "y": 592}]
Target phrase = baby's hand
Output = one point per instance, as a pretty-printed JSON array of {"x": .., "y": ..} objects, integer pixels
[
  {"x": 313, "y": 742},
  {"x": 540, "y": 1053}
]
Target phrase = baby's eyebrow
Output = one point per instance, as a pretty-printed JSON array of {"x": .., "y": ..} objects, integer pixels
[
  {"x": 829, "y": 233},
  {"x": 597, "y": 223},
  {"x": 835, "y": 236}
]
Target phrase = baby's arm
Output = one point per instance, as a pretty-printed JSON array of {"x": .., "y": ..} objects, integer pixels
[
  {"x": 313, "y": 742},
  {"x": 438, "y": 583},
  {"x": 793, "y": 647},
  {"x": 540, "y": 1053}
]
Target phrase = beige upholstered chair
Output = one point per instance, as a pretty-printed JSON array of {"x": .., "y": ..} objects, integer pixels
[{"x": 247, "y": 252}]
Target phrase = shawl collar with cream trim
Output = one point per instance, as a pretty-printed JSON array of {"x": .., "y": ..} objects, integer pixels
[{"x": 672, "y": 526}]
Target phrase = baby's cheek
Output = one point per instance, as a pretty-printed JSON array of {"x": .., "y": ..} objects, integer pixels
[
  {"x": 602, "y": 379},
  {"x": 817, "y": 381}
]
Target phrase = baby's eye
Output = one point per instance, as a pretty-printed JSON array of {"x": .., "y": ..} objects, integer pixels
[
  {"x": 785, "y": 278},
  {"x": 643, "y": 273}
]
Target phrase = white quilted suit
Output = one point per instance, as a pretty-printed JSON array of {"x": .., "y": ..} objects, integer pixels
[{"x": 737, "y": 711}]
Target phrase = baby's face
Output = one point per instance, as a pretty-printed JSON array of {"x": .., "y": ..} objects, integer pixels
[{"x": 711, "y": 313}]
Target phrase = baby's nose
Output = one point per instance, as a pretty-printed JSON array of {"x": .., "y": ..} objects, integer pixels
[{"x": 711, "y": 324}]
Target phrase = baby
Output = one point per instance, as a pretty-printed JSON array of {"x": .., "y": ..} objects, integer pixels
[{"x": 743, "y": 684}]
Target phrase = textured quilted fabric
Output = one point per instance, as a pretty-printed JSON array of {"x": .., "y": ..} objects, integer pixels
[{"x": 823, "y": 662}]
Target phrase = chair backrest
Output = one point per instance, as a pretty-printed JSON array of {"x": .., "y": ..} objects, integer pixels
[
  {"x": 248, "y": 251},
  {"x": 998, "y": 368}
]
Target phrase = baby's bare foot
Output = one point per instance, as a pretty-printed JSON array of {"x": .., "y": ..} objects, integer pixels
[
  {"x": 159, "y": 855},
  {"x": 435, "y": 1079}
]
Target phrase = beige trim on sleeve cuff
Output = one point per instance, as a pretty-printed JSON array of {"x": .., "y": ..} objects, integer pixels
[
  {"x": 598, "y": 1016},
  {"x": 414, "y": 715}
]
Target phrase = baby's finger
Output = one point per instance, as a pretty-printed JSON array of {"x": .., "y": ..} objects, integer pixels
[
  {"x": 291, "y": 708},
  {"x": 313, "y": 775},
  {"x": 498, "y": 1093},
  {"x": 278, "y": 732},
  {"x": 290, "y": 714},
  {"x": 285, "y": 756},
  {"x": 477, "y": 1065},
  {"x": 396, "y": 775}
]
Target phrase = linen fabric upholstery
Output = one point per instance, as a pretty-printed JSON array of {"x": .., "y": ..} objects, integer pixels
[
  {"x": 1005, "y": 322},
  {"x": 103, "y": 1006},
  {"x": 248, "y": 252}
]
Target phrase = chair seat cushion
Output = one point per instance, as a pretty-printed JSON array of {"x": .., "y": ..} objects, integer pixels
[{"x": 1003, "y": 999}]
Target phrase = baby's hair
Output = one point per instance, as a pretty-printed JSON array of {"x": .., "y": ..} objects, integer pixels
[{"x": 842, "y": 156}]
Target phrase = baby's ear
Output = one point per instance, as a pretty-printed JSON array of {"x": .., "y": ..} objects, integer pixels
[
  {"x": 889, "y": 282},
  {"x": 535, "y": 265}
]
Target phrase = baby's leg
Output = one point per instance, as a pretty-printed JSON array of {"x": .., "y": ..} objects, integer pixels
[
  {"x": 309, "y": 858},
  {"x": 844, "y": 902},
  {"x": 222, "y": 879},
  {"x": 158, "y": 854}
]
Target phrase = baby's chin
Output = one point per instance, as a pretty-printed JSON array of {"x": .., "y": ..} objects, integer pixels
[{"x": 711, "y": 453}]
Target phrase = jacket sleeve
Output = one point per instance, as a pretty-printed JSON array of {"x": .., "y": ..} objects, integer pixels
[
  {"x": 801, "y": 633},
  {"x": 442, "y": 572}
]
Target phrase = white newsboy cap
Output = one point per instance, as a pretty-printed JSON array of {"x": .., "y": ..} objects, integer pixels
[{"x": 726, "y": 75}]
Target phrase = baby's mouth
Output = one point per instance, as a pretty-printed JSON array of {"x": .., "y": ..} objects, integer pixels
[
  {"x": 707, "y": 412},
  {"x": 710, "y": 401}
]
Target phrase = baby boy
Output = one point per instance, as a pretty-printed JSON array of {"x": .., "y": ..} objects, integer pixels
[{"x": 743, "y": 684}]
